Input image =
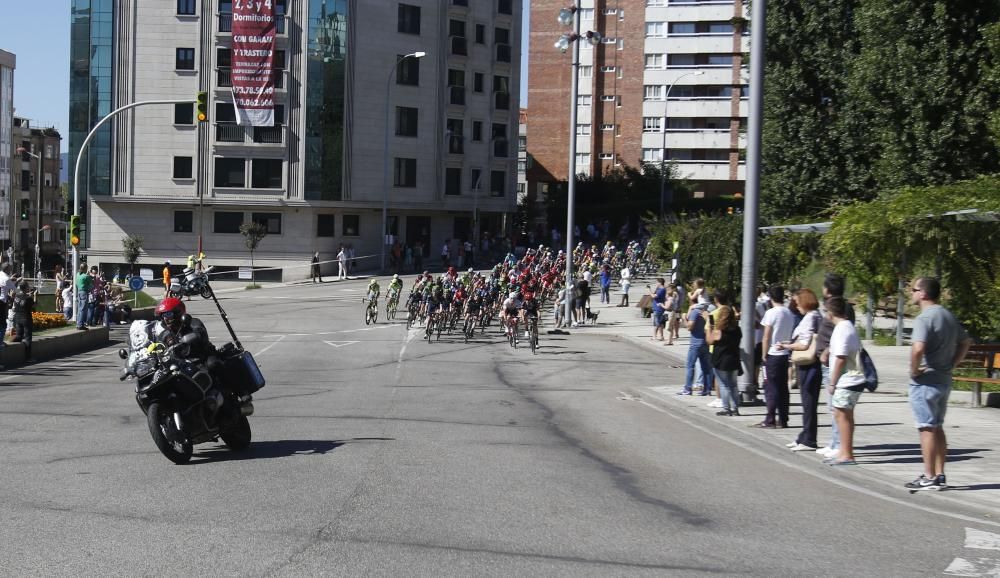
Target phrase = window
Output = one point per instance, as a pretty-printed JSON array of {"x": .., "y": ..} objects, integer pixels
[
  {"x": 409, "y": 19},
  {"x": 582, "y": 129},
  {"x": 455, "y": 132},
  {"x": 477, "y": 81},
  {"x": 656, "y": 3},
  {"x": 652, "y": 92},
  {"x": 183, "y": 167},
  {"x": 352, "y": 225},
  {"x": 681, "y": 60},
  {"x": 718, "y": 27},
  {"x": 720, "y": 59},
  {"x": 652, "y": 155},
  {"x": 475, "y": 182},
  {"x": 609, "y": 11},
  {"x": 230, "y": 172},
  {"x": 586, "y": 71},
  {"x": 654, "y": 29},
  {"x": 608, "y": 68},
  {"x": 266, "y": 173},
  {"x": 498, "y": 183},
  {"x": 271, "y": 221},
  {"x": 404, "y": 173},
  {"x": 683, "y": 28},
  {"x": 609, "y": 40},
  {"x": 477, "y": 131},
  {"x": 227, "y": 222},
  {"x": 607, "y": 126},
  {"x": 48, "y": 151},
  {"x": 606, "y": 156},
  {"x": 651, "y": 124},
  {"x": 183, "y": 221},
  {"x": 654, "y": 61},
  {"x": 408, "y": 72},
  {"x": 456, "y": 28},
  {"x": 522, "y": 166},
  {"x": 324, "y": 224},
  {"x": 453, "y": 181},
  {"x": 621, "y": 44},
  {"x": 504, "y": 7},
  {"x": 48, "y": 179},
  {"x": 184, "y": 113},
  {"x": 583, "y": 100},
  {"x": 609, "y": 97},
  {"x": 499, "y": 136},
  {"x": 586, "y": 13},
  {"x": 185, "y": 59},
  {"x": 480, "y": 34},
  {"x": 406, "y": 121},
  {"x": 582, "y": 159},
  {"x": 186, "y": 7},
  {"x": 522, "y": 143}
]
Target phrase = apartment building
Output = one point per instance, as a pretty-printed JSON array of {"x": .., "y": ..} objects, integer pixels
[
  {"x": 315, "y": 178},
  {"x": 38, "y": 200},
  {"x": 7, "y": 64},
  {"x": 666, "y": 81}
]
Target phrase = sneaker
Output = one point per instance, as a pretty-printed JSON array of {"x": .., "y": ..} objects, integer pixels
[
  {"x": 942, "y": 482},
  {"x": 791, "y": 444},
  {"x": 717, "y": 402},
  {"x": 923, "y": 483},
  {"x": 683, "y": 392},
  {"x": 801, "y": 448}
]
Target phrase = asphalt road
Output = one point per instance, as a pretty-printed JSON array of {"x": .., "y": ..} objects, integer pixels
[{"x": 378, "y": 454}]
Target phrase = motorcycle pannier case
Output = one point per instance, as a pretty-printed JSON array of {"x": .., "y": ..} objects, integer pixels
[{"x": 243, "y": 373}]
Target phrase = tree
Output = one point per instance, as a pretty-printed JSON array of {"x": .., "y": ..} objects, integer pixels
[
  {"x": 253, "y": 233},
  {"x": 131, "y": 250}
]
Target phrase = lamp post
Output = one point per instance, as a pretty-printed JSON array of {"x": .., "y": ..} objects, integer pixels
[
  {"x": 38, "y": 212},
  {"x": 569, "y": 16},
  {"x": 663, "y": 151},
  {"x": 385, "y": 157}
]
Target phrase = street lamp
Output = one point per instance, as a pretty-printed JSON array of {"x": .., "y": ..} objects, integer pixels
[
  {"x": 38, "y": 211},
  {"x": 385, "y": 152},
  {"x": 663, "y": 151},
  {"x": 566, "y": 17}
]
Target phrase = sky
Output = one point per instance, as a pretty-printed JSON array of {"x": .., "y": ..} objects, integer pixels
[{"x": 41, "y": 79}]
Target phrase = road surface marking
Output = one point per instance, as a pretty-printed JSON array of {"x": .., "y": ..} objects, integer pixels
[
  {"x": 259, "y": 353},
  {"x": 340, "y": 343},
  {"x": 982, "y": 540}
]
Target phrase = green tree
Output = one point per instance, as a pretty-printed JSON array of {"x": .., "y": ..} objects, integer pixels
[
  {"x": 253, "y": 233},
  {"x": 131, "y": 249}
]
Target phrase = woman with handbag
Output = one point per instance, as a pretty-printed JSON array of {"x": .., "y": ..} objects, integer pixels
[{"x": 803, "y": 348}]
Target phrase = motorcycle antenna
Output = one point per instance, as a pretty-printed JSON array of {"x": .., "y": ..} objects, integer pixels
[{"x": 225, "y": 319}]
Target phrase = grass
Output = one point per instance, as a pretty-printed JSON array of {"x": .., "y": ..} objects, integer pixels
[
  {"x": 47, "y": 303},
  {"x": 252, "y": 286},
  {"x": 884, "y": 336}
]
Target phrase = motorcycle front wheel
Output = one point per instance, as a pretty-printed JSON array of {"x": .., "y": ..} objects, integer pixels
[
  {"x": 160, "y": 421},
  {"x": 206, "y": 293},
  {"x": 238, "y": 437}
]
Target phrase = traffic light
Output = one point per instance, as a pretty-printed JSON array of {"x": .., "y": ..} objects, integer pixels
[
  {"x": 24, "y": 213},
  {"x": 74, "y": 230},
  {"x": 201, "y": 107}
]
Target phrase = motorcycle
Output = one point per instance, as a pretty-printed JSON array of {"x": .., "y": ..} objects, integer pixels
[
  {"x": 191, "y": 282},
  {"x": 191, "y": 400}
]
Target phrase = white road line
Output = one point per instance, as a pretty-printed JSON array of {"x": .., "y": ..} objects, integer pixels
[
  {"x": 815, "y": 474},
  {"x": 339, "y": 344},
  {"x": 982, "y": 540},
  {"x": 986, "y": 567},
  {"x": 261, "y": 352}
]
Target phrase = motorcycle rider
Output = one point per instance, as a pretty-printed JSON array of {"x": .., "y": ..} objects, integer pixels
[{"x": 173, "y": 323}]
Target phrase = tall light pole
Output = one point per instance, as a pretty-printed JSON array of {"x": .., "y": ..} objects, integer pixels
[
  {"x": 38, "y": 212},
  {"x": 569, "y": 16},
  {"x": 385, "y": 157},
  {"x": 751, "y": 204},
  {"x": 663, "y": 151}
]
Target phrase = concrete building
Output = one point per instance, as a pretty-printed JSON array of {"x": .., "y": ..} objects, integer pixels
[
  {"x": 693, "y": 48},
  {"x": 46, "y": 227},
  {"x": 315, "y": 178},
  {"x": 7, "y": 64}
]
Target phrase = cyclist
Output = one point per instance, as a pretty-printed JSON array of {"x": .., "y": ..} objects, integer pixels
[
  {"x": 529, "y": 309},
  {"x": 373, "y": 290},
  {"x": 395, "y": 286},
  {"x": 435, "y": 297},
  {"x": 511, "y": 308}
]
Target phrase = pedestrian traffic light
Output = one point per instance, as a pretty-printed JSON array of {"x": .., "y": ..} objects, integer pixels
[
  {"x": 202, "y": 107},
  {"x": 74, "y": 230},
  {"x": 24, "y": 213}
]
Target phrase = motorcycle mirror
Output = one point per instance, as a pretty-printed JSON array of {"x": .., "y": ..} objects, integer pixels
[
  {"x": 123, "y": 354},
  {"x": 185, "y": 320},
  {"x": 190, "y": 339}
]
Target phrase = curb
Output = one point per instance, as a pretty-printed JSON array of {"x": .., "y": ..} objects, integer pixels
[{"x": 55, "y": 346}]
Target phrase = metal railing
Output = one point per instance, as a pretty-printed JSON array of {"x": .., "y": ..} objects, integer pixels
[
  {"x": 234, "y": 133},
  {"x": 456, "y": 95},
  {"x": 459, "y": 45},
  {"x": 224, "y": 77},
  {"x": 503, "y": 52},
  {"x": 456, "y": 144},
  {"x": 229, "y": 132},
  {"x": 501, "y": 100}
]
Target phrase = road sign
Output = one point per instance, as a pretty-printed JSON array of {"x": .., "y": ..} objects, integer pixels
[
  {"x": 245, "y": 274},
  {"x": 136, "y": 283},
  {"x": 146, "y": 274}
]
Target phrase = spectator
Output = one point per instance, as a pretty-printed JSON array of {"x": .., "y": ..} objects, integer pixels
[
  {"x": 418, "y": 256},
  {"x": 697, "y": 293},
  {"x": 626, "y": 283},
  {"x": 675, "y": 308},
  {"x": 7, "y": 288},
  {"x": 96, "y": 295},
  {"x": 342, "y": 264},
  {"x": 445, "y": 252},
  {"x": 582, "y": 300},
  {"x": 166, "y": 279},
  {"x": 67, "y": 299},
  {"x": 84, "y": 286},
  {"x": 606, "y": 284},
  {"x": 659, "y": 296},
  {"x": 809, "y": 375},
  {"x": 847, "y": 380},
  {"x": 60, "y": 277},
  {"x": 778, "y": 324},
  {"x": 724, "y": 335},
  {"x": 833, "y": 286},
  {"x": 697, "y": 351},
  {"x": 316, "y": 273},
  {"x": 408, "y": 257},
  {"x": 24, "y": 305},
  {"x": 939, "y": 344},
  {"x": 352, "y": 264}
]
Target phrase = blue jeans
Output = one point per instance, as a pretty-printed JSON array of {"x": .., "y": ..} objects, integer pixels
[
  {"x": 728, "y": 389},
  {"x": 834, "y": 430},
  {"x": 84, "y": 308},
  {"x": 698, "y": 352},
  {"x": 929, "y": 404}
]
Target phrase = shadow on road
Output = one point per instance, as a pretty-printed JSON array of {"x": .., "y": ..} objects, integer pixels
[{"x": 275, "y": 449}]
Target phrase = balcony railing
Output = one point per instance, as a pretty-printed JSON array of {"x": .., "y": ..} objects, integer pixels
[
  {"x": 229, "y": 132},
  {"x": 459, "y": 45},
  {"x": 500, "y": 147},
  {"x": 501, "y": 100},
  {"x": 459, "y": 2},
  {"x": 456, "y": 145},
  {"x": 269, "y": 134},
  {"x": 234, "y": 133},
  {"x": 456, "y": 95},
  {"x": 504, "y": 7},
  {"x": 226, "y": 22},
  {"x": 225, "y": 77},
  {"x": 503, "y": 52}
]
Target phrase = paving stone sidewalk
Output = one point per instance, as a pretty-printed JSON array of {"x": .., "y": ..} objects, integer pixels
[{"x": 886, "y": 443}]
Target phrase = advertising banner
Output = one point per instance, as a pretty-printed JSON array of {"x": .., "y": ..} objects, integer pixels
[{"x": 254, "y": 27}]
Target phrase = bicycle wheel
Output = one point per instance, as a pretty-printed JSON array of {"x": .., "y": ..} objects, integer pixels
[
  {"x": 429, "y": 331},
  {"x": 368, "y": 315}
]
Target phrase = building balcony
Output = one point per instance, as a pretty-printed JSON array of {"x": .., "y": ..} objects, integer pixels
[
  {"x": 503, "y": 52},
  {"x": 688, "y": 139},
  {"x": 501, "y": 100},
  {"x": 708, "y": 170},
  {"x": 456, "y": 145},
  {"x": 696, "y": 107},
  {"x": 504, "y": 7},
  {"x": 500, "y": 148},
  {"x": 226, "y": 22},
  {"x": 459, "y": 45},
  {"x": 230, "y": 132},
  {"x": 224, "y": 78},
  {"x": 456, "y": 95}
]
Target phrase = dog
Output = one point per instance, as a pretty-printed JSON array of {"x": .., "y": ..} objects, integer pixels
[{"x": 592, "y": 316}]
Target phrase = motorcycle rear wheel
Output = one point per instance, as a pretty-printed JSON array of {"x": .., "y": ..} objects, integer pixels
[
  {"x": 238, "y": 437},
  {"x": 159, "y": 420}
]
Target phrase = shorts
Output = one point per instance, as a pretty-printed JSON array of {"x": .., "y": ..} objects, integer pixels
[
  {"x": 929, "y": 404},
  {"x": 845, "y": 398},
  {"x": 658, "y": 320}
]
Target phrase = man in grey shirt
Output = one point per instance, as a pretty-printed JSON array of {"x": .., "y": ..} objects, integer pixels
[{"x": 939, "y": 344}]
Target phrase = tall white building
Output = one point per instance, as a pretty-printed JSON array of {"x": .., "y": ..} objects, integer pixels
[
  {"x": 315, "y": 178},
  {"x": 7, "y": 64}
]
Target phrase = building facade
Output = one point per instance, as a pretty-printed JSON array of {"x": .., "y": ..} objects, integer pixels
[
  {"x": 314, "y": 179},
  {"x": 7, "y": 64},
  {"x": 38, "y": 200},
  {"x": 666, "y": 81}
]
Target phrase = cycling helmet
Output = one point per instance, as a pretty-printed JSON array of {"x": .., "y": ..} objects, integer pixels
[
  {"x": 396, "y": 276},
  {"x": 169, "y": 312},
  {"x": 512, "y": 295}
]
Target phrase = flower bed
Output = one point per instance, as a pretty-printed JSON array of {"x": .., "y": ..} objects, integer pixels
[{"x": 41, "y": 321}]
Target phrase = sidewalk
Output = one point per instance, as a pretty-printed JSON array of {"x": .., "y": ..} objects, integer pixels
[{"x": 886, "y": 443}]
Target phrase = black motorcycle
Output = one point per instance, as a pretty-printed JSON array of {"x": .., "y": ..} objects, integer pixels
[
  {"x": 191, "y": 282},
  {"x": 191, "y": 400}
]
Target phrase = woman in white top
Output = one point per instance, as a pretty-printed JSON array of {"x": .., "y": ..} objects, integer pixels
[
  {"x": 846, "y": 378},
  {"x": 810, "y": 376},
  {"x": 626, "y": 282}
]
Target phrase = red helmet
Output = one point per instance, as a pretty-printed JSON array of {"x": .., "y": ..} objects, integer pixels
[{"x": 170, "y": 308}]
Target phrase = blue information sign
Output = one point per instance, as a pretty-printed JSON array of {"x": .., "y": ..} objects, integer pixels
[{"x": 136, "y": 283}]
